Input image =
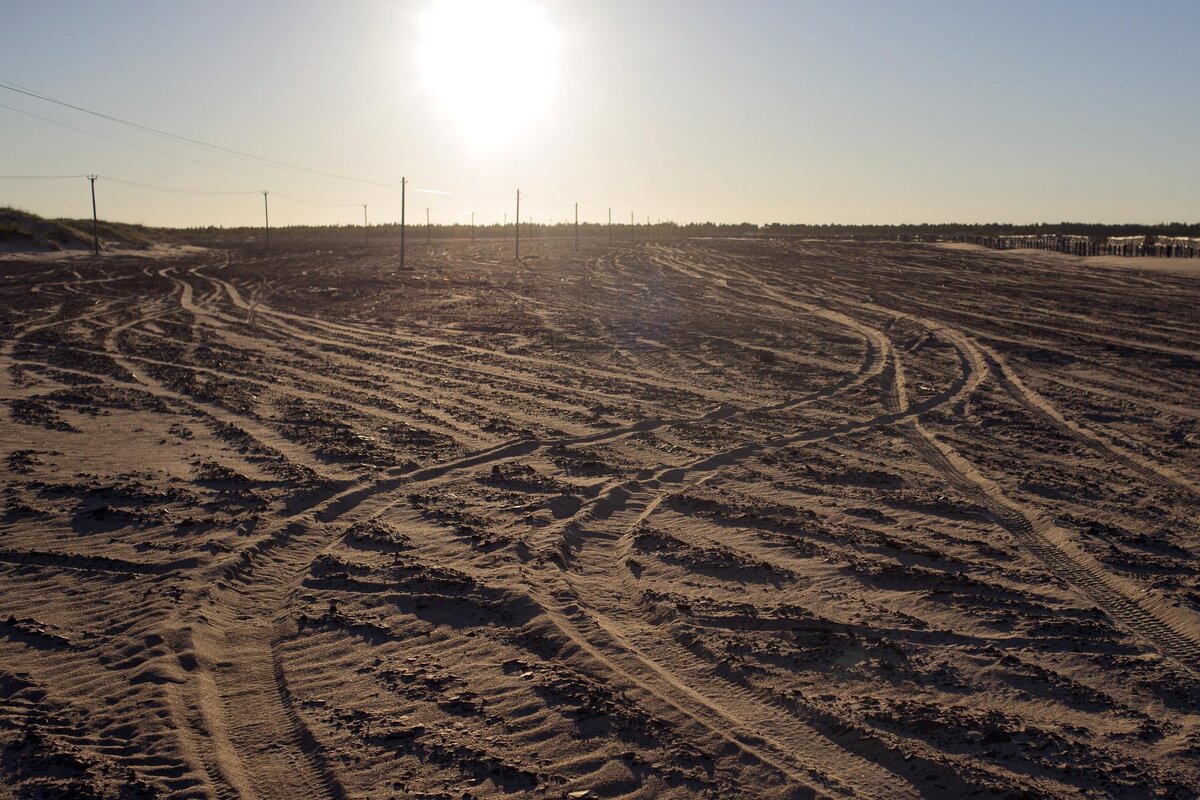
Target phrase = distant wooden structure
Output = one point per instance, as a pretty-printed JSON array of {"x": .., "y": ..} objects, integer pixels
[
  {"x": 1177, "y": 246},
  {"x": 1077, "y": 245}
]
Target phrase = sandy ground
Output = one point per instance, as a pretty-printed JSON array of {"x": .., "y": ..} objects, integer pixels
[
  {"x": 711, "y": 519},
  {"x": 13, "y": 253},
  {"x": 1184, "y": 266}
]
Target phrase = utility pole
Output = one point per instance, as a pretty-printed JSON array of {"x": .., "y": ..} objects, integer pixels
[
  {"x": 403, "y": 184},
  {"x": 472, "y": 227},
  {"x": 517, "y": 227},
  {"x": 577, "y": 226},
  {"x": 95, "y": 225},
  {"x": 266, "y": 218},
  {"x": 610, "y": 227},
  {"x": 366, "y": 231},
  {"x": 427, "y": 241},
  {"x": 632, "y": 228}
]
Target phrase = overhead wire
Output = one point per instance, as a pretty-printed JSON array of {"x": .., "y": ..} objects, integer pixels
[
  {"x": 218, "y": 149},
  {"x": 228, "y": 151},
  {"x": 164, "y": 152},
  {"x": 171, "y": 188},
  {"x": 38, "y": 177},
  {"x": 305, "y": 201},
  {"x": 315, "y": 202}
]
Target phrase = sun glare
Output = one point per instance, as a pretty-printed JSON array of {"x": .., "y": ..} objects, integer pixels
[{"x": 491, "y": 65}]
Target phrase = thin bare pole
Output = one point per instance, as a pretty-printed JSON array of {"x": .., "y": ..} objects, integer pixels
[
  {"x": 366, "y": 229},
  {"x": 403, "y": 185},
  {"x": 632, "y": 229},
  {"x": 95, "y": 224},
  {"x": 267, "y": 218},
  {"x": 427, "y": 240},
  {"x": 472, "y": 227},
  {"x": 577, "y": 226},
  {"x": 517, "y": 227}
]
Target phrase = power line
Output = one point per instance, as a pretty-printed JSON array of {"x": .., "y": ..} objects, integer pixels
[
  {"x": 547, "y": 202},
  {"x": 38, "y": 177},
  {"x": 315, "y": 202},
  {"x": 13, "y": 87},
  {"x": 174, "y": 189},
  {"x": 169, "y": 188},
  {"x": 180, "y": 190},
  {"x": 164, "y": 152},
  {"x": 219, "y": 149},
  {"x": 206, "y": 191}
]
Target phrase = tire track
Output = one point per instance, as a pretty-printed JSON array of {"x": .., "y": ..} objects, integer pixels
[
  {"x": 266, "y": 438},
  {"x": 1104, "y": 445},
  {"x": 1146, "y": 616}
]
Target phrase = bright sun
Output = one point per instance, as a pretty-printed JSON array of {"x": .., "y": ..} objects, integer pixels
[{"x": 492, "y": 65}]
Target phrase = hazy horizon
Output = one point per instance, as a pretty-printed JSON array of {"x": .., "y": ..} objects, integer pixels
[{"x": 854, "y": 113}]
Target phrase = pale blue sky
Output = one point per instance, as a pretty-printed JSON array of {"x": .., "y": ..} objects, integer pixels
[{"x": 849, "y": 111}]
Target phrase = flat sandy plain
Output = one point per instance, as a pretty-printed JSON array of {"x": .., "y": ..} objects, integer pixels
[{"x": 715, "y": 519}]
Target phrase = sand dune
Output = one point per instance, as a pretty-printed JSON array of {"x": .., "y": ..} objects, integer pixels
[{"x": 691, "y": 519}]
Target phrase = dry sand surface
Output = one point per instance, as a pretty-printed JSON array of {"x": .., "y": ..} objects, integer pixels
[
  {"x": 748, "y": 519},
  {"x": 1187, "y": 266}
]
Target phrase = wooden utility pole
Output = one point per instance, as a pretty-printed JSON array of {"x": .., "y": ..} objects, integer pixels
[
  {"x": 403, "y": 184},
  {"x": 366, "y": 230},
  {"x": 472, "y": 227},
  {"x": 266, "y": 218},
  {"x": 517, "y": 227},
  {"x": 427, "y": 239},
  {"x": 577, "y": 226},
  {"x": 95, "y": 224}
]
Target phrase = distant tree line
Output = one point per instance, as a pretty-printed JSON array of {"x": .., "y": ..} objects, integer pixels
[
  {"x": 928, "y": 231},
  {"x": 667, "y": 230},
  {"x": 417, "y": 232}
]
